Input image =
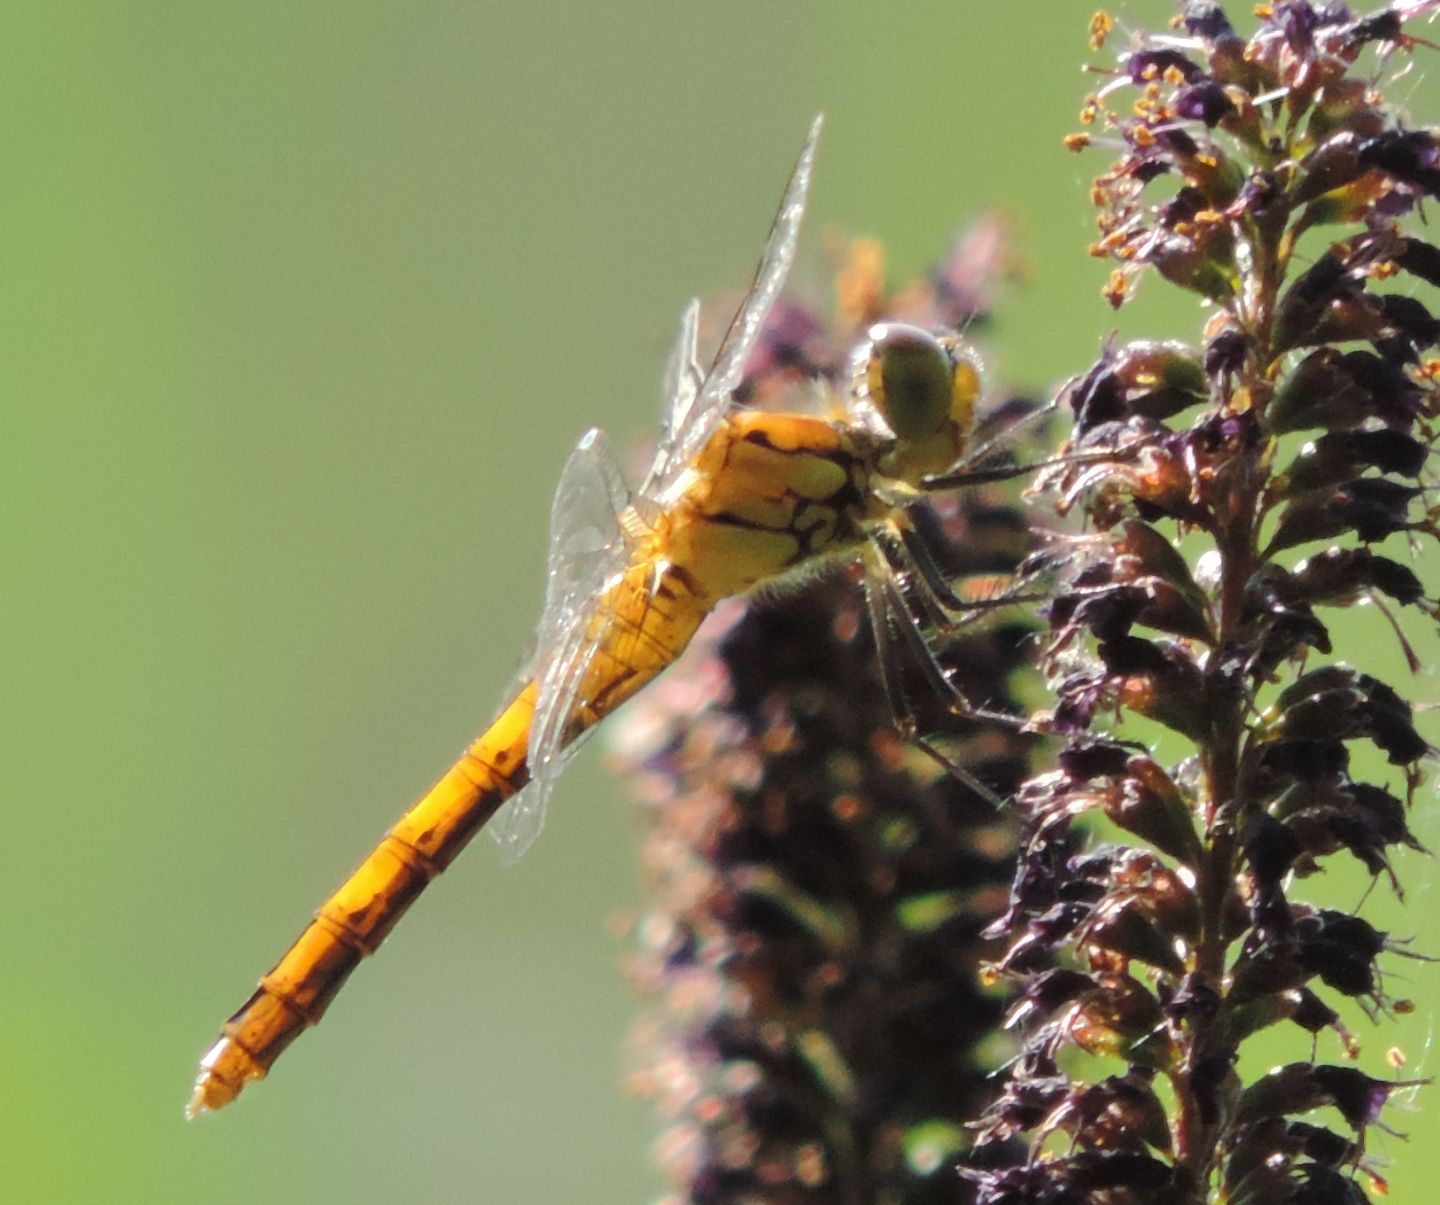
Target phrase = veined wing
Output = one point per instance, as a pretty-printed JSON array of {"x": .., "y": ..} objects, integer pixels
[
  {"x": 588, "y": 550},
  {"x": 683, "y": 379},
  {"x": 588, "y": 547},
  {"x": 697, "y": 405}
]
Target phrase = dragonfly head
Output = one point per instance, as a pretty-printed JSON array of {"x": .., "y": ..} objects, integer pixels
[{"x": 923, "y": 389}]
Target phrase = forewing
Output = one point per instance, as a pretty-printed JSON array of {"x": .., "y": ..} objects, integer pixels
[
  {"x": 688, "y": 433},
  {"x": 588, "y": 549},
  {"x": 683, "y": 378}
]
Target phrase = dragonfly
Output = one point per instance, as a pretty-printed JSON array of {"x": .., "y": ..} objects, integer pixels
[{"x": 735, "y": 498}]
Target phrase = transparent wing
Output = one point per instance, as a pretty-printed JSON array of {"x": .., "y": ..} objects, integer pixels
[
  {"x": 695, "y": 415},
  {"x": 683, "y": 378},
  {"x": 588, "y": 549}
]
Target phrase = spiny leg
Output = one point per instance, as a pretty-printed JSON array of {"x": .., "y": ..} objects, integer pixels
[
  {"x": 908, "y": 555},
  {"x": 898, "y": 590},
  {"x": 895, "y": 627},
  {"x": 973, "y": 471}
]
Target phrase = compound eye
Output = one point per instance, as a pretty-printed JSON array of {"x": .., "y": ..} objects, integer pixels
[{"x": 910, "y": 377}]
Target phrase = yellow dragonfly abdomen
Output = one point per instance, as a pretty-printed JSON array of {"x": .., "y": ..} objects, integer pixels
[
  {"x": 350, "y": 925},
  {"x": 769, "y": 492}
]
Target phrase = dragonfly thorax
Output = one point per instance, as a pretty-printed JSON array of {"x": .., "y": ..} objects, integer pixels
[{"x": 922, "y": 390}]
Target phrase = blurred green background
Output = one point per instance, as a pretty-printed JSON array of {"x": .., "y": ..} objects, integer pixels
[{"x": 303, "y": 307}]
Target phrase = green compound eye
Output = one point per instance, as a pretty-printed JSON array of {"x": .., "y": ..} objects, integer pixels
[
  {"x": 920, "y": 384},
  {"x": 910, "y": 378}
]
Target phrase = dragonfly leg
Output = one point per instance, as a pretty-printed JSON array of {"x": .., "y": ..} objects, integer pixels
[
  {"x": 894, "y": 626},
  {"x": 971, "y": 473},
  {"x": 908, "y": 555},
  {"x": 905, "y": 623}
]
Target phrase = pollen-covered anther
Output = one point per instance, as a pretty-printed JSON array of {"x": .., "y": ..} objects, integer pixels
[{"x": 1101, "y": 26}]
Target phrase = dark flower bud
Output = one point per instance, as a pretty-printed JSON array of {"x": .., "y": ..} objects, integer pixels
[
  {"x": 1205, "y": 101},
  {"x": 1301, "y": 1087},
  {"x": 1095, "y": 398},
  {"x": 1177, "y": 142},
  {"x": 1359, "y": 316},
  {"x": 1028, "y": 1099},
  {"x": 1094, "y": 759},
  {"x": 1147, "y": 802},
  {"x": 1420, "y": 259},
  {"x": 1298, "y": 22},
  {"x": 1337, "y": 390},
  {"x": 1383, "y": 26},
  {"x": 1283, "y": 636},
  {"x": 1339, "y": 703},
  {"x": 1160, "y": 681},
  {"x": 1408, "y": 155},
  {"x": 1263, "y": 202},
  {"x": 1336, "y": 162},
  {"x": 1044, "y": 932},
  {"x": 1160, "y": 378},
  {"x": 1174, "y": 603},
  {"x": 1145, "y": 468},
  {"x": 1329, "y": 815},
  {"x": 1338, "y": 576},
  {"x": 1383, "y": 812},
  {"x": 1354, "y": 201},
  {"x": 1341, "y": 950},
  {"x": 1123, "y": 932},
  {"x": 1096, "y": 866},
  {"x": 1122, "y": 1019},
  {"x": 1409, "y": 319},
  {"x": 1347, "y": 104},
  {"x": 1110, "y": 613},
  {"x": 1121, "y": 1176},
  {"x": 1341, "y": 455},
  {"x": 1187, "y": 205},
  {"x": 1391, "y": 724},
  {"x": 1225, "y": 353},
  {"x": 1120, "y": 1112},
  {"x": 1151, "y": 379},
  {"x": 1208, "y": 21},
  {"x": 1146, "y": 910},
  {"x": 1270, "y": 848},
  {"x": 1312, "y": 1013},
  {"x": 1046, "y": 993},
  {"x": 1300, "y": 760},
  {"x": 1370, "y": 509},
  {"x": 1305, "y": 302},
  {"x": 1263, "y": 985},
  {"x": 1203, "y": 264},
  {"x": 1322, "y": 1145},
  {"x": 1265, "y": 1154}
]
